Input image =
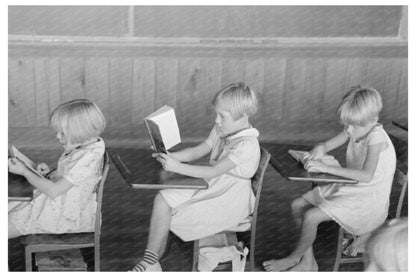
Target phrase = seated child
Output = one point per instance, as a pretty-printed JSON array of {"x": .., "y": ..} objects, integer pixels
[
  {"x": 387, "y": 247},
  {"x": 64, "y": 202},
  {"x": 229, "y": 199},
  {"x": 358, "y": 208}
]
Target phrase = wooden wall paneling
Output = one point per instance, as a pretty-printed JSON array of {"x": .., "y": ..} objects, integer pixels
[
  {"x": 254, "y": 78},
  {"x": 401, "y": 110},
  {"x": 232, "y": 71},
  {"x": 312, "y": 105},
  {"x": 376, "y": 78},
  {"x": 356, "y": 72},
  {"x": 211, "y": 72},
  {"x": 166, "y": 82},
  {"x": 15, "y": 116},
  {"x": 274, "y": 89},
  {"x": 121, "y": 75},
  {"x": 25, "y": 71},
  {"x": 53, "y": 80},
  {"x": 143, "y": 89},
  {"x": 295, "y": 91},
  {"x": 189, "y": 94},
  {"x": 72, "y": 71},
  {"x": 41, "y": 92},
  {"x": 335, "y": 88},
  {"x": 391, "y": 88},
  {"x": 97, "y": 87}
]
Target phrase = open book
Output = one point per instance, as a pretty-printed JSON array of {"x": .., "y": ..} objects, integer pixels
[
  {"x": 326, "y": 159},
  {"x": 25, "y": 160},
  {"x": 163, "y": 129}
]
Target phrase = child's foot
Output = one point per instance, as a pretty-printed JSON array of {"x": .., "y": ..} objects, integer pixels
[
  {"x": 279, "y": 265},
  {"x": 144, "y": 266},
  {"x": 305, "y": 265}
]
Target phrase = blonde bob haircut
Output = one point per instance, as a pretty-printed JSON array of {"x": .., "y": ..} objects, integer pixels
[
  {"x": 79, "y": 120},
  {"x": 238, "y": 99},
  {"x": 387, "y": 247},
  {"x": 360, "y": 107}
]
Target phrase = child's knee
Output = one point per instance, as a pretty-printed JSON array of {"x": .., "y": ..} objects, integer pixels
[
  {"x": 314, "y": 216},
  {"x": 298, "y": 204},
  {"x": 159, "y": 200}
]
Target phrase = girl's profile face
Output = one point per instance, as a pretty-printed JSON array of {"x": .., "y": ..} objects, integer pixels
[
  {"x": 63, "y": 140},
  {"x": 357, "y": 131},
  {"x": 225, "y": 121}
]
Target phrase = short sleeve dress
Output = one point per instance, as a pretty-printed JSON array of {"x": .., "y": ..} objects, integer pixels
[
  {"x": 360, "y": 208},
  {"x": 229, "y": 198},
  {"x": 72, "y": 211}
]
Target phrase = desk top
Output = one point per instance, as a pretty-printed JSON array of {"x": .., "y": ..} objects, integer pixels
[
  {"x": 401, "y": 123},
  {"x": 140, "y": 170},
  {"x": 19, "y": 188},
  {"x": 293, "y": 170}
]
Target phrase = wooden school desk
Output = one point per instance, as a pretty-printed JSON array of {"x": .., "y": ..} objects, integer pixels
[
  {"x": 402, "y": 124},
  {"x": 293, "y": 170},
  {"x": 140, "y": 170},
  {"x": 19, "y": 188}
]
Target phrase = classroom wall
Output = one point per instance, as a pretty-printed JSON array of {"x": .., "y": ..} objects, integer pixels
[{"x": 105, "y": 54}]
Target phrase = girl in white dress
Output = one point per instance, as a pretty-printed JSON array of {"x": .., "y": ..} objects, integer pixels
[
  {"x": 229, "y": 199},
  {"x": 358, "y": 208},
  {"x": 64, "y": 202}
]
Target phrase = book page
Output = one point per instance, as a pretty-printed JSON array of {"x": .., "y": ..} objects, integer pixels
[
  {"x": 24, "y": 159},
  {"x": 326, "y": 159}
]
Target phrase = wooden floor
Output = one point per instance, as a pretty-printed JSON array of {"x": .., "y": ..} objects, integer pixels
[{"x": 126, "y": 214}]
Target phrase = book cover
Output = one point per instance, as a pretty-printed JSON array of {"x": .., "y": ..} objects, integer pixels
[
  {"x": 24, "y": 159},
  {"x": 163, "y": 129},
  {"x": 326, "y": 159}
]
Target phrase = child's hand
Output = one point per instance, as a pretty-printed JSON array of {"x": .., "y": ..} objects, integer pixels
[
  {"x": 16, "y": 166},
  {"x": 315, "y": 166},
  {"x": 168, "y": 163},
  {"x": 316, "y": 153},
  {"x": 43, "y": 169}
]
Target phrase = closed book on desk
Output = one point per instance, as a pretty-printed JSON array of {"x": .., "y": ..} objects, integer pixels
[
  {"x": 163, "y": 129},
  {"x": 326, "y": 159}
]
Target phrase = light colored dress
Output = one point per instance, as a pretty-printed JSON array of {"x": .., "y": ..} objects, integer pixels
[
  {"x": 72, "y": 211},
  {"x": 229, "y": 198},
  {"x": 360, "y": 208}
]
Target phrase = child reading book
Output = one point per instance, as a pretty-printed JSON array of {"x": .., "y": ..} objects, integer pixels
[
  {"x": 229, "y": 199},
  {"x": 64, "y": 202},
  {"x": 358, "y": 208}
]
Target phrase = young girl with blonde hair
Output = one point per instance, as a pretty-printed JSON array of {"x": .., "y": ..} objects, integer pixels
[
  {"x": 234, "y": 158},
  {"x": 64, "y": 202},
  {"x": 358, "y": 208}
]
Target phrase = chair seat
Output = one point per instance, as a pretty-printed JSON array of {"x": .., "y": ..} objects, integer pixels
[{"x": 68, "y": 238}]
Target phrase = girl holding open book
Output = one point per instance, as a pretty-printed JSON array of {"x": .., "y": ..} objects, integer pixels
[
  {"x": 64, "y": 202},
  {"x": 234, "y": 158},
  {"x": 358, "y": 208}
]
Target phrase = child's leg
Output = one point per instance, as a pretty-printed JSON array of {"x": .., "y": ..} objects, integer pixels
[
  {"x": 307, "y": 262},
  {"x": 299, "y": 206},
  {"x": 311, "y": 219},
  {"x": 159, "y": 225},
  {"x": 158, "y": 232},
  {"x": 13, "y": 232}
]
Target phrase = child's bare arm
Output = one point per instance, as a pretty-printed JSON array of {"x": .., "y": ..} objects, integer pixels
[
  {"x": 196, "y": 171},
  {"x": 362, "y": 175},
  {"x": 324, "y": 147},
  {"x": 192, "y": 153}
]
